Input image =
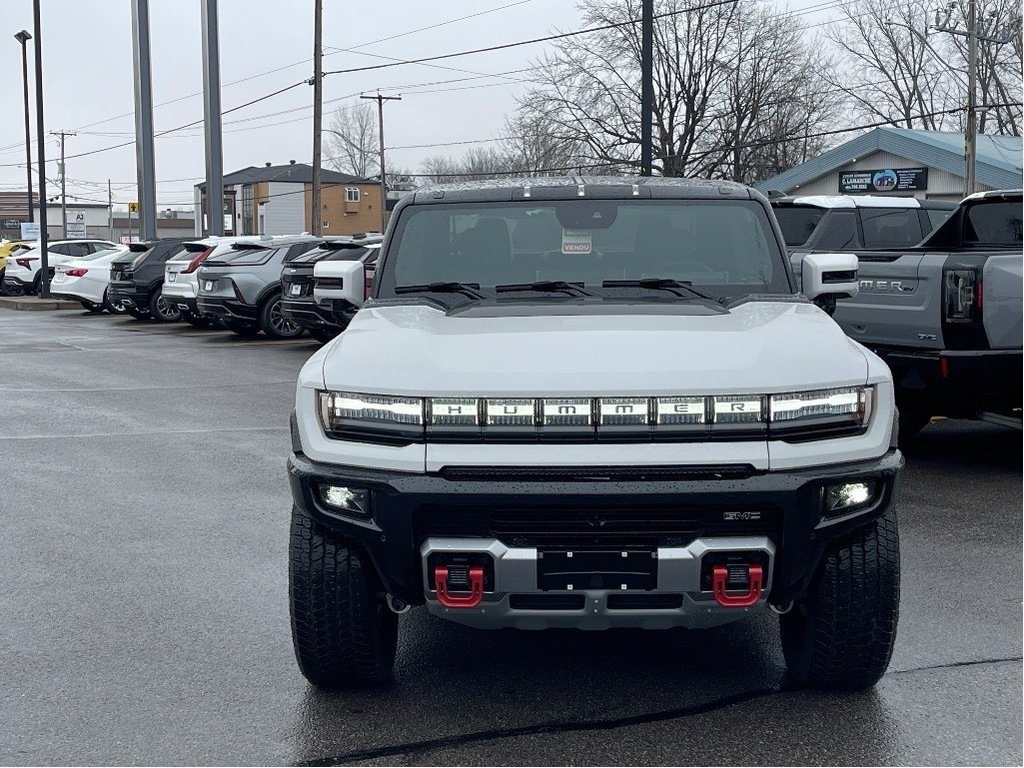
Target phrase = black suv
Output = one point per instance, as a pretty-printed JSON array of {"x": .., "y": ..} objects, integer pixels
[
  {"x": 136, "y": 279},
  {"x": 298, "y": 304}
]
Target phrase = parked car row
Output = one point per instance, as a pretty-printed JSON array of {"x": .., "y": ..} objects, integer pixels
[{"x": 249, "y": 285}]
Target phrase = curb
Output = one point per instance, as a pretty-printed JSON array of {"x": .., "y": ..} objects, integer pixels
[{"x": 35, "y": 304}]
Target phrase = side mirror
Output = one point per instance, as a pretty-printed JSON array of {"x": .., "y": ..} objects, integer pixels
[
  {"x": 339, "y": 281},
  {"x": 826, "y": 277}
]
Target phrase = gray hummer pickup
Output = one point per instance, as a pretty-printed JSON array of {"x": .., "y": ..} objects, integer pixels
[
  {"x": 591, "y": 403},
  {"x": 945, "y": 314}
]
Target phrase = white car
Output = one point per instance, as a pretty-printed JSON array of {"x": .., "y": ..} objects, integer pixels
[
  {"x": 88, "y": 280},
  {"x": 22, "y": 273}
]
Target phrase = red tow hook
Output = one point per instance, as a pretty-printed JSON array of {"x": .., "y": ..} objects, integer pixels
[
  {"x": 476, "y": 588},
  {"x": 719, "y": 573}
]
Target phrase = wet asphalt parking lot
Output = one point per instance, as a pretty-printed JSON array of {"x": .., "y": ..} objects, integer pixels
[{"x": 144, "y": 614}]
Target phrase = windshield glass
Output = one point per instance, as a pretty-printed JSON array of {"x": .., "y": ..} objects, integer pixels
[
  {"x": 726, "y": 246},
  {"x": 797, "y": 222}
]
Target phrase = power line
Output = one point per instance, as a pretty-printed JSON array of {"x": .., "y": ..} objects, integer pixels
[{"x": 533, "y": 41}]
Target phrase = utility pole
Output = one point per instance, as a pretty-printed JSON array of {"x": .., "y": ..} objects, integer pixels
[
  {"x": 23, "y": 37},
  {"x": 383, "y": 179},
  {"x": 211, "y": 121},
  {"x": 62, "y": 135},
  {"x": 318, "y": 112},
  {"x": 44, "y": 256},
  {"x": 647, "y": 88},
  {"x": 145, "y": 169},
  {"x": 110, "y": 211},
  {"x": 974, "y": 33}
]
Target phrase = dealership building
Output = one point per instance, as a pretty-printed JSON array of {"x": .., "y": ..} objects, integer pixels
[{"x": 905, "y": 162}]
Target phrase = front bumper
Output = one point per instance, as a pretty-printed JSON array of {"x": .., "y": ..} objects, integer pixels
[
  {"x": 226, "y": 309},
  {"x": 666, "y": 514},
  {"x": 957, "y": 383}
]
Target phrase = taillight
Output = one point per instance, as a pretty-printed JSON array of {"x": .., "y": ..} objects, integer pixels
[
  {"x": 961, "y": 295},
  {"x": 75, "y": 272},
  {"x": 198, "y": 259},
  {"x": 25, "y": 262},
  {"x": 367, "y": 284}
]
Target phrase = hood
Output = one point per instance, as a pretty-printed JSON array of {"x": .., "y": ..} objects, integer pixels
[{"x": 756, "y": 347}]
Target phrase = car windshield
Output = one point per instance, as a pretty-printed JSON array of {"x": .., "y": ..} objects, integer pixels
[
  {"x": 726, "y": 248},
  {"x": 797, "y": 222}
]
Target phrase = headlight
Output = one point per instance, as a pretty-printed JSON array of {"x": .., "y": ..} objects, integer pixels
[
  {"x": 820, "y": 410},
  {"x": 349, "y": 502},
  {"x": 347, "y": 414},
  {"x": 846, "y": 497}
]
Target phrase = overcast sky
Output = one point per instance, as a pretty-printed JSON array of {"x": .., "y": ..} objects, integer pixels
[{"x": 87, "y": 77}]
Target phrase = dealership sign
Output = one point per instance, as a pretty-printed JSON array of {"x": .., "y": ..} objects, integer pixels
[{"x": 883, "y": 180}]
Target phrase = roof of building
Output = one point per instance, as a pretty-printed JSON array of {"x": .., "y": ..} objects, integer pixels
[
  {"x": 296, "y": 173},
  {"x": 999, "y": 157}
]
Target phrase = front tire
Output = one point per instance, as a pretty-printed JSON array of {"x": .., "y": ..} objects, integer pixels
[
  {"x": 912, "y": 422},
  {"x": 842, "y": 634},
  {"x": 343, "y": 633}
]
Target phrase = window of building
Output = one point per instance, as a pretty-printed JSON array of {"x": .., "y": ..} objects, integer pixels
[{"x": 351, "y": 194}]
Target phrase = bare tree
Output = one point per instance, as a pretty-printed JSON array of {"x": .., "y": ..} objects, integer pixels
[
  {"x": 895, "y": 70},
  {"x": 476, "y": 163},
  {"x": 352, "y": 140},
  {"x": 589, "y": 94}
]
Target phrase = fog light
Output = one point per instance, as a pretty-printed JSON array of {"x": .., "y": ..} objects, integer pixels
[
  {"x": 354, "y": 501},
  {"x": 840, "y": 498}
]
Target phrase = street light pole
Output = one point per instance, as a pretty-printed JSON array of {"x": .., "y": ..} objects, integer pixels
[
  {"x": 44, "y": 275},
  {"x": 212, "y": 120},
  {"x": 23, "y": 37}
]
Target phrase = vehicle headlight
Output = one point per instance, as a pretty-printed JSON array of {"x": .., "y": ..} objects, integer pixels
[
  {"x": 820, "y": 409},
  {"x": 349, "y": 414}
]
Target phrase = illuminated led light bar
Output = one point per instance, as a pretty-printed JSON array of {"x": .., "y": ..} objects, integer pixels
[
  {"x": 680, "y": 410},
  {"x": 566, "y": 412},
  {"x": 510, "y": 412},
  {"x": 800, "y": 414},
  {"x": 454, "y": 411},
  {"x": 346, "y": 405},
  {"x": 623, "y": 411},
  {"x": 828, "y": 402},
  {"x": 736, "y": 409}
]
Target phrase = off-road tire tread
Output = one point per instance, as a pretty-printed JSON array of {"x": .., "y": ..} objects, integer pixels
[
  {"x": 340, "y": 635},
  {"x": 845, "y": 638}
]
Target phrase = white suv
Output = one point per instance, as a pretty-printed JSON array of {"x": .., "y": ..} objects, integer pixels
[{"x": 593, "y": 403}]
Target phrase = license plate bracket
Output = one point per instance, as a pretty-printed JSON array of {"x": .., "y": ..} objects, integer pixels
[{"x": 616, "y": 569}]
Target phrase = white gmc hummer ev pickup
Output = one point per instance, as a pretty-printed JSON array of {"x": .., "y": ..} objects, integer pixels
[{"x": 592, "y": 403}]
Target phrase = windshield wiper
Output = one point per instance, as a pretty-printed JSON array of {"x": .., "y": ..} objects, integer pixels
[
  {"x": 545, "y": 286},
  {"x": 660, "y": 284},
  {"x": 466, "y": 289}
]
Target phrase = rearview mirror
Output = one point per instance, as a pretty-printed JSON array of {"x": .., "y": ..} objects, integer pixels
[
  {"x": 338, "y": 281},
  {"x": 826, "y": 277}
]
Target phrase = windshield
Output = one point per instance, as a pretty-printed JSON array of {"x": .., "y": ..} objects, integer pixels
[
  {"x": 726, "y": 248},
  {"x": 797, "y": 222}
]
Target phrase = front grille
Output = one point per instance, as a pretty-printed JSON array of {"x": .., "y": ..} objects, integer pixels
[
  {"x": 590, "y": 473},
  {"x": 586, "y": 526}
]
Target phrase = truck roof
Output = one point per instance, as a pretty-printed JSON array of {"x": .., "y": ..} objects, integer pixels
[
  {"x": 862, "y": 201},
  {"x": 571, "y": 187},
  {"x": 997, "y": 194}
]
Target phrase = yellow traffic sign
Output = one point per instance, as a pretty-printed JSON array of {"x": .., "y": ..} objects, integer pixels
[{"x": 133, "y": 207}]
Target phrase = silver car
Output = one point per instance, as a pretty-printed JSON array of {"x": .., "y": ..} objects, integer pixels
[{"x": 241, "y": 286}]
